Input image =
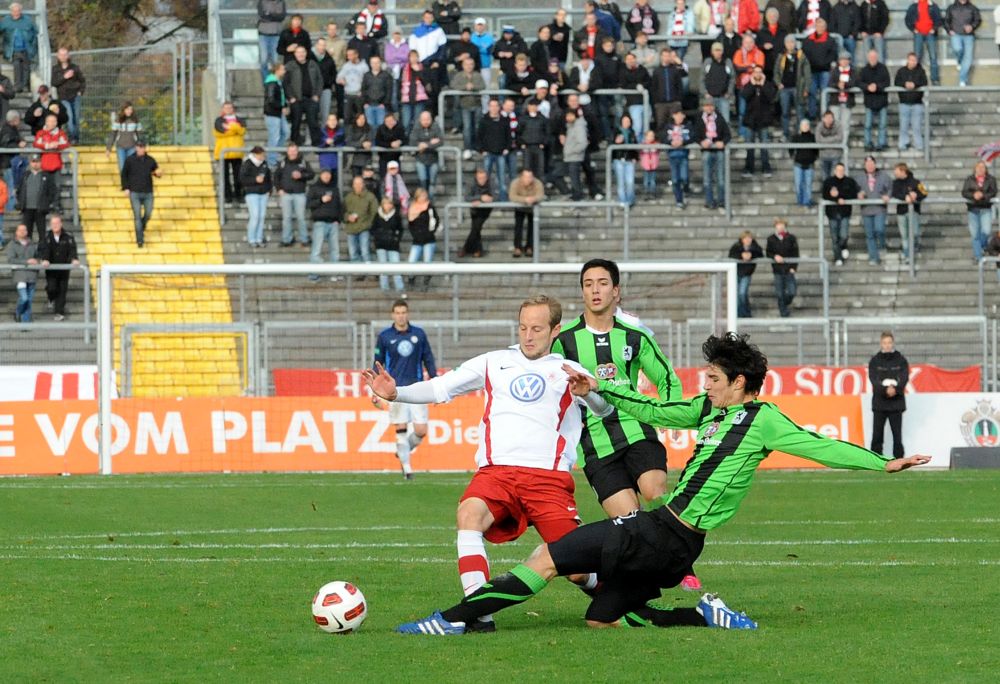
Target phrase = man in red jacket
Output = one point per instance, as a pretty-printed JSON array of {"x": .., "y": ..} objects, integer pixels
[{"x": 52, "y": 140}]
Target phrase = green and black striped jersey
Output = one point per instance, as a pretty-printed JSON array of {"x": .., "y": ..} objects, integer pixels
[
  {"x": 616, "y": 357},
  {"x": 731, "y": 444}
]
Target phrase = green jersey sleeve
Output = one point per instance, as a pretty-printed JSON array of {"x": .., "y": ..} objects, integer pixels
[
  {"x": 658, "y": 370},
  {"x": 781, "y": 433},
  {"x": 678, "y": 415},
  {"x": 557, "y": 347}
]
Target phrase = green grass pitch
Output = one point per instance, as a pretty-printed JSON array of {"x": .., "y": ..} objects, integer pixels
[{"x": 854, "y": 577}]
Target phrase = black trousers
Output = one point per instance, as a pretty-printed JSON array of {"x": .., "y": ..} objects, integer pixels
[
  {"x": 474, "y": 243},
  {"x": 524, "y": 239},
  {"x": 895, "y": 419},
  {"x": 534, "y": 159},
  {"x": 231, "y": 179},
  {"x": 35, "y": 220},
  {"x": 307, "y": 109},
  {"x": 56, "y": 287}
]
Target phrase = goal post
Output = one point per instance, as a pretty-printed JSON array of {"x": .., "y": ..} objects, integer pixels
[{"x": 128, "y": 313}]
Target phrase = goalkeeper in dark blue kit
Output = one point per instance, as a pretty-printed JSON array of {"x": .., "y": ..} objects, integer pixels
[
  {"x": 404, "y": 351},
  {"x": 636, "y": 556}
]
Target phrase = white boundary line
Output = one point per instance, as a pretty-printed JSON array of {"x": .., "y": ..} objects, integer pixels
[
  {"x": 436, "y": 545},
  {"x": 449, "y": 561},
  {"x": 389, "y": 528}
]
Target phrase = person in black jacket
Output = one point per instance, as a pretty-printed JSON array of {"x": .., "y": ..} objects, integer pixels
[
  {"x": 510, "y": 45},
  {"x": 666, "y": 86},
  {"x": 328, "y": 71},
  {"x": 912, "y": 77},
  {"x": 35, "y": 115},
  {"x": 539, "y": 54},
  {"x": 387, "y": 231},
  {"x": 821, "y": 50},
  {"x": 873, "y": 80},
  {"x": 760, "y": 96},
  {"x": 910, "y": 192},
  {"x": 561, "y": 37},
  {"x": 783, "y": 248},
  {"x": 303, "y": 87},
  {"x": 323, "y": 201},
  {"x": 255, "y": 178},
  {"x": 845, "y": 22},
  {"x": 839, "y": 189},
  {"x": 390, "y": 135},
  {"x": 483, "y": 191},
  {"x": 711, "y": 131},
  {"x": 493, "y": 141},
  {"x": 376, "y": 92},
  {"x": 58, "y": 247},
  {"x": 803, "y": 161},
  {"x": 275, "y": 110},
  {"x": 888, "y": 373},
  {"x": 874, "y": 22},
  {"x": 36, "y": 193},
  {"x": 292, "y": 38},
  {"x": 290, "y": 179},
  {"x": 137, "y": 184},
  {"x": 745, "y": 250},
  {"x": 447, "y": 15},
  {"x": 533, "y": 138}
]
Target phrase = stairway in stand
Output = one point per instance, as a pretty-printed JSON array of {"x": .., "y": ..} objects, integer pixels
[{"x": 184, "y": 229}]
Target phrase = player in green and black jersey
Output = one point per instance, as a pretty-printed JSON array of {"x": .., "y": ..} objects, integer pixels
[
  {"x": 637, "y": 555},
  {"x": 621, "y": 456}
]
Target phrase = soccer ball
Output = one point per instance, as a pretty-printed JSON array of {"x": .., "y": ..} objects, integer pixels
[{"x": 339, "y": 608}]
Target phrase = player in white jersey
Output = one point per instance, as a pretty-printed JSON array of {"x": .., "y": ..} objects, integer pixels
[{"x": 527, "y": 441}]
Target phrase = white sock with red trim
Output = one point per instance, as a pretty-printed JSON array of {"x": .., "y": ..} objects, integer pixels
[{"x": 473, "y": 566}]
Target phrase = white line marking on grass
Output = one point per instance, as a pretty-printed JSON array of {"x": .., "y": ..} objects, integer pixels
[
  {"x": 432, "y": 545},
  {"x": 439, "y": 528},
  {"x": 449, "y": 561},
  {"x": 249, "y": 530}
]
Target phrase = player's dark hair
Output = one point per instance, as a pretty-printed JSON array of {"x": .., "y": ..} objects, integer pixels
[
  {"x": 608, "y": 265},
  {"x": 736, "y": 356},
  {"x": 400, "y": 303}
]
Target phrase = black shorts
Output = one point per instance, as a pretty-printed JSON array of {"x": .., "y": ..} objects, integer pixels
[
  {"x": 621, "y": 470},
  {"x": 634, "y": 557}
]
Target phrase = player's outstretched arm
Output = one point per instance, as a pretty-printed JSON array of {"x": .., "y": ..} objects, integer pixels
[
  {"x": 381, "y": 383},
  {"x": 901, "y": 464}
]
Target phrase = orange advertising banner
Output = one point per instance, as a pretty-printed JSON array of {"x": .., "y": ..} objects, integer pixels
[{"x": 295, "y": 434}]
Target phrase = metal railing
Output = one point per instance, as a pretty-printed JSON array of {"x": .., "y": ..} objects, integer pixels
[
  {"x": 443, "y": 150},
  {"x": 928, "y": 92},
  {"x": 983, "y": 261},
  {"x": 41, "y": 15},
  {"x": 910, "y": 237},
  {"x": 535, "y": 210},
  {"x": 269, "y": 337},
  {"x": 691, "y": 333},
  {"x": 735, "y": 147}
]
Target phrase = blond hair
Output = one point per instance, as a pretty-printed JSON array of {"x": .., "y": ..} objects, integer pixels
[{"x": 555, "y": 308}]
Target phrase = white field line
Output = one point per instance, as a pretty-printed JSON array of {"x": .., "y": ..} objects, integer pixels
[
  {"x": 451, "y": 561},
  {"x": 389, "y": 528},
  {"x": 433, "y": 545},
  {"x": 339, "y": 479}
]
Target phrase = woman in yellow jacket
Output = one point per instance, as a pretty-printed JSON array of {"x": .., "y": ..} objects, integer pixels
[{"x": 229, "y": 131}]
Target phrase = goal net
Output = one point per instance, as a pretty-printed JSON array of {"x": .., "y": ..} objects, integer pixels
[{"x": 257, "y": 367}]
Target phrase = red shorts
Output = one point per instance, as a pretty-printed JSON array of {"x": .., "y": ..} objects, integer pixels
[{"x": 518, "y": 497}]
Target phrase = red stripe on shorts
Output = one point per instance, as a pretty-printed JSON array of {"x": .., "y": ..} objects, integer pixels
[
  {"x": 564, "y": 404},
  {"x": 486, "y": 417}
]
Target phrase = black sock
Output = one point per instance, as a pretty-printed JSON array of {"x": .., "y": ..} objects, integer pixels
[
  {"x": 509, "y": 589},
  {"x": 664, "y": 617}
]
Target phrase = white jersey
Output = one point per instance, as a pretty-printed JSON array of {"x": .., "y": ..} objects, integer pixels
[{"x": 530, "y": 418}]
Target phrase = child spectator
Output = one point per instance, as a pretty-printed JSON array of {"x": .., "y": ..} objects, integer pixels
[
  {"x": 332, "y": 135},
  {"x": 649, "y": 160},
  {"x": 229, "y": 131},
  {"x": 678, "y": 135}
]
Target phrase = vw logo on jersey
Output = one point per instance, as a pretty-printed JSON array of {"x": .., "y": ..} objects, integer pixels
[
  {"x": 528, "y": 387},
  {"x": 404, "y": 348}
]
